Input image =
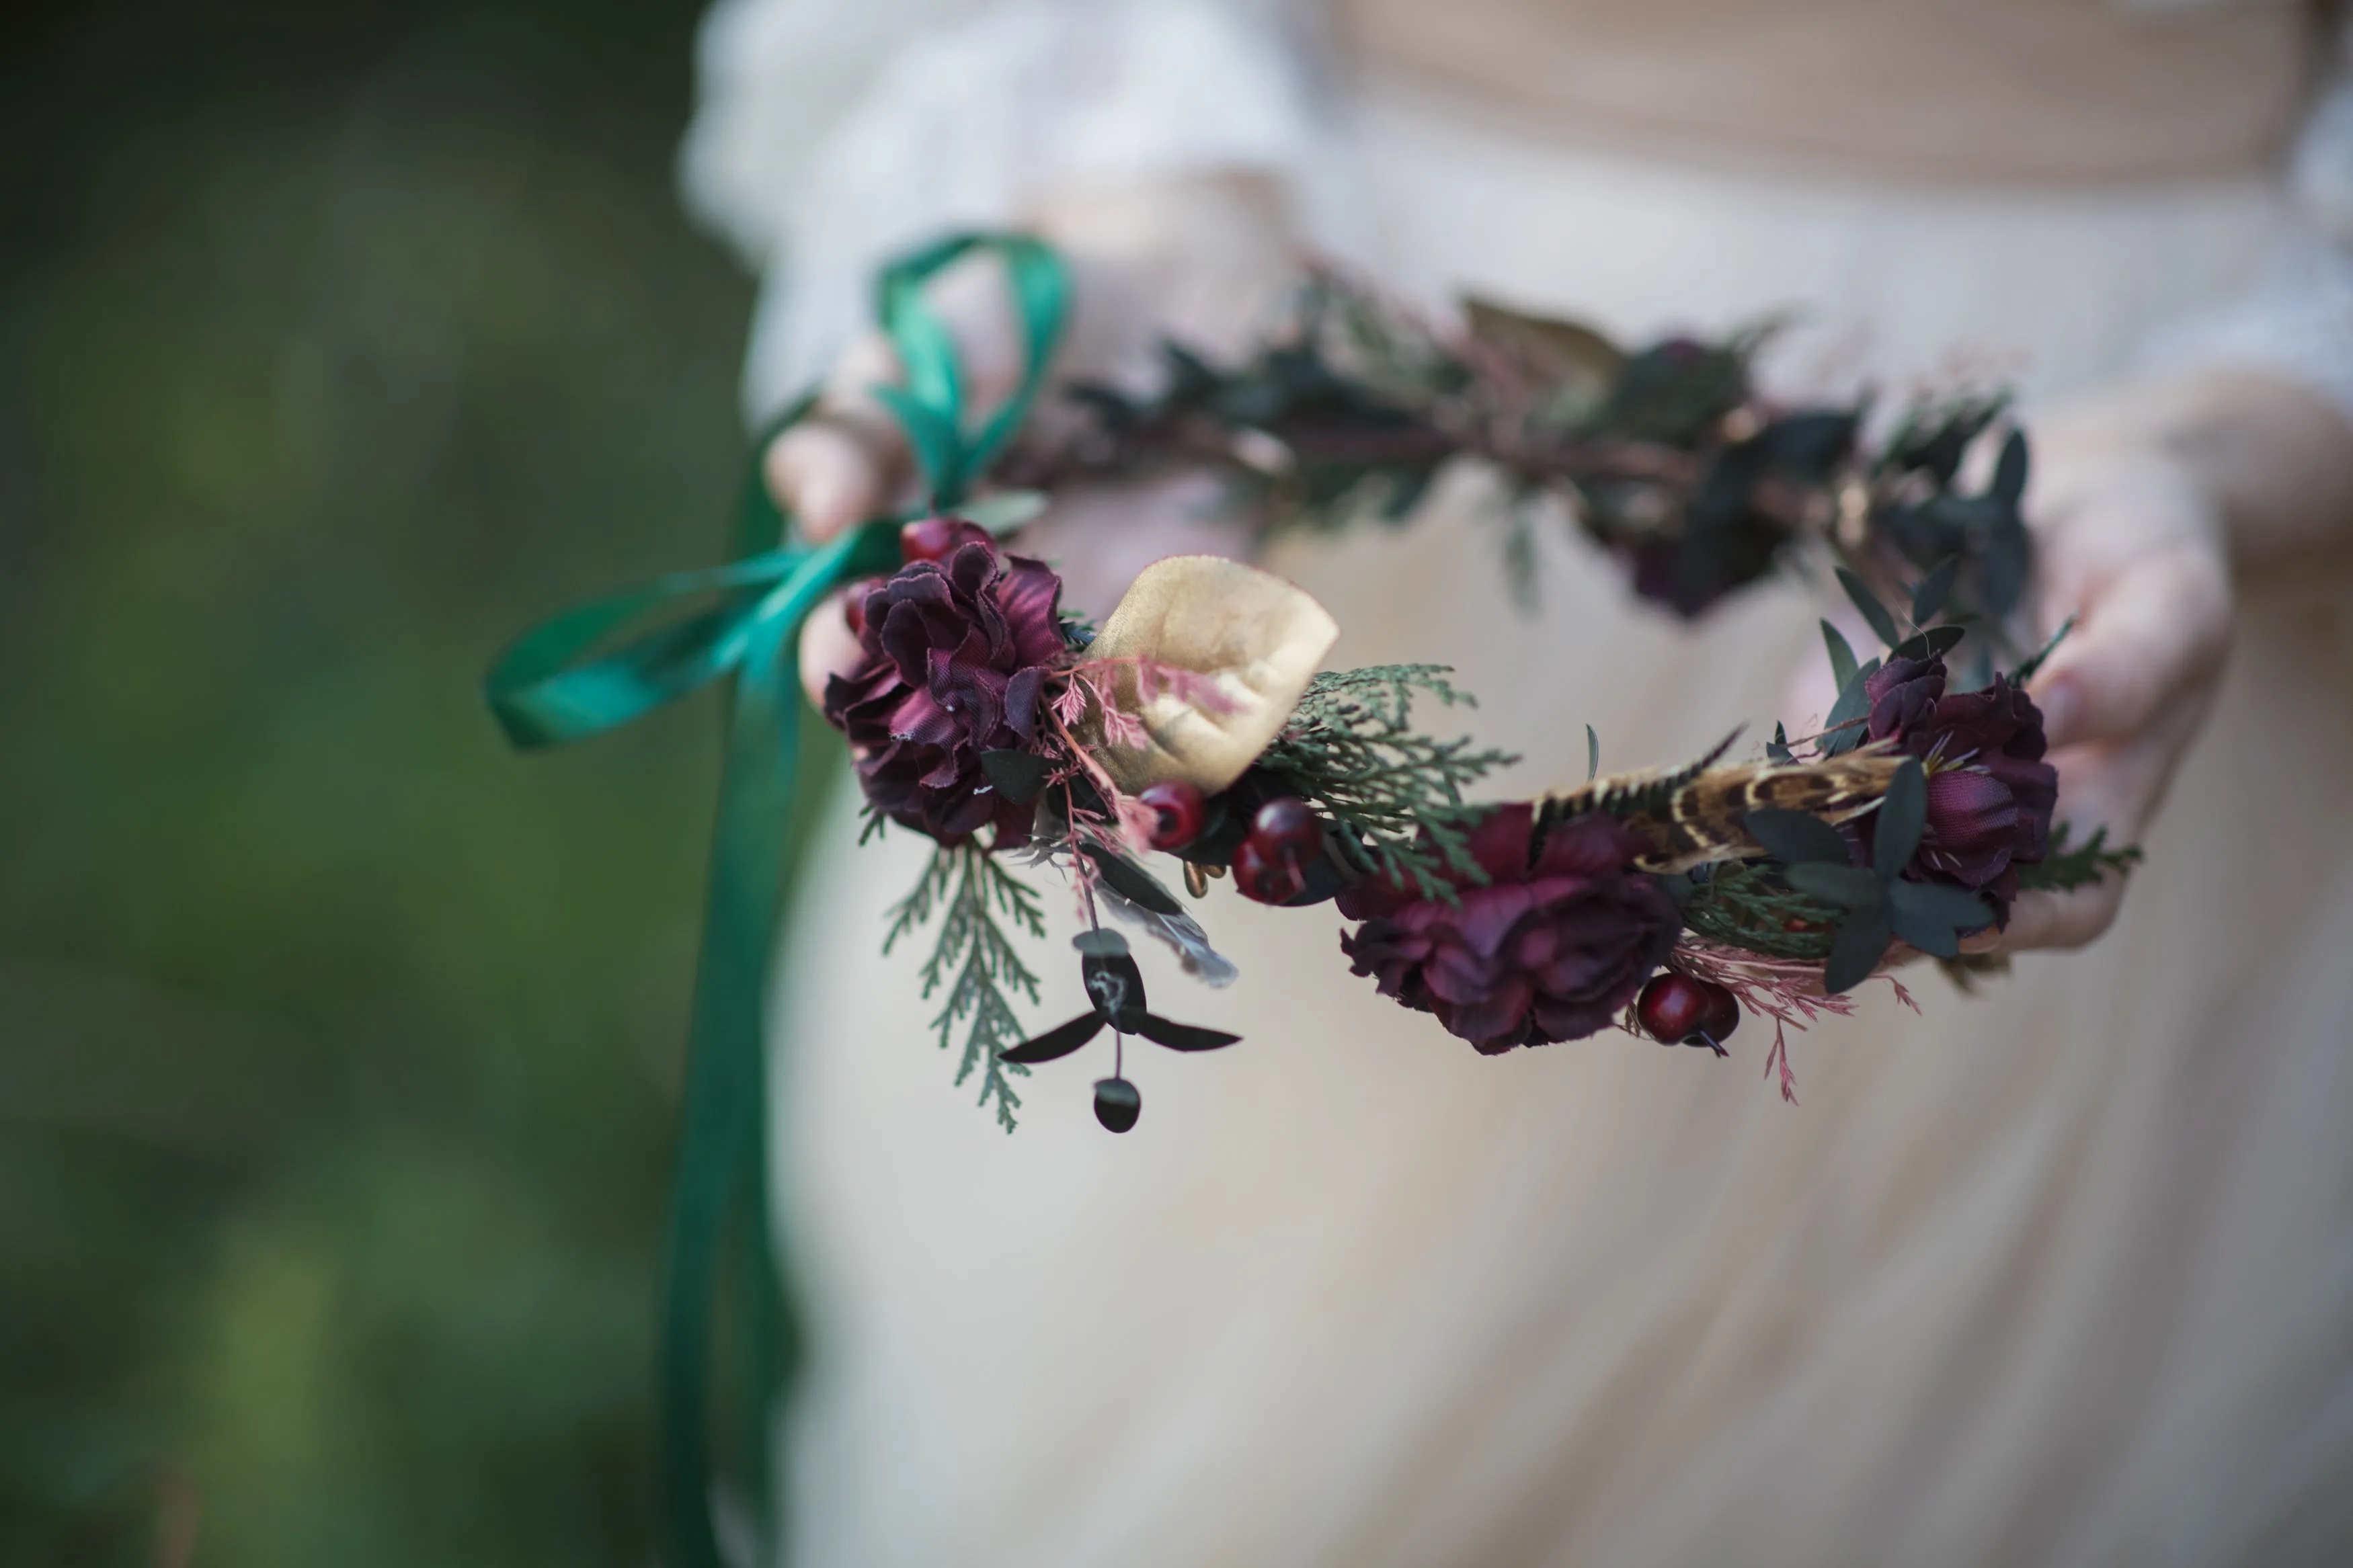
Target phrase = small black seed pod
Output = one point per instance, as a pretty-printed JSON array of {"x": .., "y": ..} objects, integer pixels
[{"x": 1117, "y": 1105}]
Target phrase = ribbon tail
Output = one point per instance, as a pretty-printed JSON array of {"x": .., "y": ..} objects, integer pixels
[{"x": 722, "y": 1173}]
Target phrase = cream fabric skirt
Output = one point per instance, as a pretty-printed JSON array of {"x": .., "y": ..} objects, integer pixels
[{"x": 2058, "y": 1273}]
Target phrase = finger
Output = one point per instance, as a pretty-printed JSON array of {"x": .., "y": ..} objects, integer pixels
[
  {"x": 2051, "y": 920},
  {"x": 846, "y": 461},
  {"x": 2117, "y": 788},
  {"x": 828, "y": 647},
  {"x": 827, "y": 475},
  {"x": 2161, "y": 626}
]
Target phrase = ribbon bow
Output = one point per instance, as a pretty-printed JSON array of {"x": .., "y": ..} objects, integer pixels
[{"x": 545, "y": 690}]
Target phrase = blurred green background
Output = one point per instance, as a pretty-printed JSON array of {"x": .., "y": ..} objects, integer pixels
[{"x": 338, "y": 1042}]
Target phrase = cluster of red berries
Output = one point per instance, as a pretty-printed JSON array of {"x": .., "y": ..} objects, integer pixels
[
  {"x": 1675, "y": 1009},
  {"x": 1270, "y": 864}
]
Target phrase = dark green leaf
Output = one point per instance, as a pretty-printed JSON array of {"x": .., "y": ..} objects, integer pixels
[
  {"x": 1057, "y": 1042},
  {"x": 1178, "y": 1036},
  {"x": 1114, "y": 985},
  {"x": 1592, "y": 753},
  {"x": 2026, "y": 672},
  {"x": 2003, "y": 566},
  {"x": 1842, "y": 666},
  {"x": 1100, "y": 942},
  {"x": 1852, "y": 706},
  {"x": 1796, "y": 838},
  {"x": 1935, "y": 641},
  {"x": 1868, "y": 602},
  {"x": 2010, "y": 473},
  {"x": 1776, "y": 750},
  {"x": 1903, "y": 812},
  {"x": 1132, "y": 882},
  {"x": 1849, "y": 885},
  {"x": 1810, "y": 445},
  {"x": 1860, "y": 942},
  {"x": 1929, "y": 597},
  {"x": 1014, "y": 774},
  {"x": 1925, "y": 910}
]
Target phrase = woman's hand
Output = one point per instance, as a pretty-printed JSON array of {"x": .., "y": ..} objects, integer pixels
[
  {"x": 2145, "y": 503},
  {"x": 2131, "y": 544},
  {"x": 1198, "y": 260}
]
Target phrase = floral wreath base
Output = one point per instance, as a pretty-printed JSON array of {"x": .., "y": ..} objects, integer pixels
[{"x": 1198, "y": 722}]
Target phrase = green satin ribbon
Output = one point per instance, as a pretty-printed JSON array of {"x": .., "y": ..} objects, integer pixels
[{"x": 547, "y": 690}]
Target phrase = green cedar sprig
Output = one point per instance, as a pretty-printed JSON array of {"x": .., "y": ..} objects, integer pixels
[
  {"x": 2064, "y": 870},
  {"x": 1749, "y": 905},
  {"x": 1351, "y": 751},
  {"x": 976, "y": 958}
]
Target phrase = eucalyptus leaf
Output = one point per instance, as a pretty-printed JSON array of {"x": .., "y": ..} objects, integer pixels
[
  {"x": 1100, "y": 943},
  {"x": 1929, "y": 597},
  {"x": 1881, "y": 623},
  {"x": 1902, "y": 813},
  {"x": 1057, "y": 1042},
  {"x": 1956, "y": 909},
  {"x": 1935, "y": 641},
  {"x": 1796, "y": 838},
  {"x": 1842, "y": 665},
  {"x": 2010, "y": 472},
  {"x": 1018, "y": 775},
  {"x": 1776, "y": 750},
  {"x": 1178, "y": 1036},
  {"x": 1930, "y": 935},
  {"x": 1592, "y": 753},
  {"x": 1855, "y": 951},
  {"x": 2003, "y": 566},
  {"x": 1853, "y": 705},
  {"x": 1849, "y": 885},
  {"x": 1133, "y": 881},
  {"x": 1114, "y": 985}
]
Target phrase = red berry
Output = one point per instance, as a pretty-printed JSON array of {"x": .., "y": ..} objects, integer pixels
[
  {"x": 1675, "y": 1009},
  {"x": 1267, "y": 878},
  {"x": 1177, "y": 813},
  {"x": 1723, "y": 1013},
  {"x": 938, "y": 537},
  {"x": 1672, "y": 1008},
  {"x": 1286, "y": 830}
]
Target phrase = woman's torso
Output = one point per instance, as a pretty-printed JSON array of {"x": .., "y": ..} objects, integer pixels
[{"x": 2050, "y": 92}]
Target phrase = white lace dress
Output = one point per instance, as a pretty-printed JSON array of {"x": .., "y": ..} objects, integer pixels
[{"x": 2059, "y": 1273}]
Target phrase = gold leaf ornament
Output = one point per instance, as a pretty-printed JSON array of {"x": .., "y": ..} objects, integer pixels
[{"x": 1258, "y": 640}]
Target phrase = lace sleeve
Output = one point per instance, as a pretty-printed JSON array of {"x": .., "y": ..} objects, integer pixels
[
  {"x": 2296, "y": 319},
  {"x": 832, "y": 133}
]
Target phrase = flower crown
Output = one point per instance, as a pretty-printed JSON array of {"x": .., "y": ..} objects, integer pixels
[{"x": 1198, "y": 722}]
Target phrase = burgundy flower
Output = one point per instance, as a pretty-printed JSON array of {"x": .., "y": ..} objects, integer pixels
[
  {"x": 956, "y": 654},
  {"x": 1904, "y": 695},
  {"x": 1551, "y": 949},
  {"x": 1991, "y": 794}
]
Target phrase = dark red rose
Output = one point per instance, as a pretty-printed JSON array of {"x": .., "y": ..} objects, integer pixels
[
  {"x": 1545, "y": 952},
  {"x": 1990, "y": 794},
  {"x": 1904, "y": 694},
  {"x": 956, "y": 655}
]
